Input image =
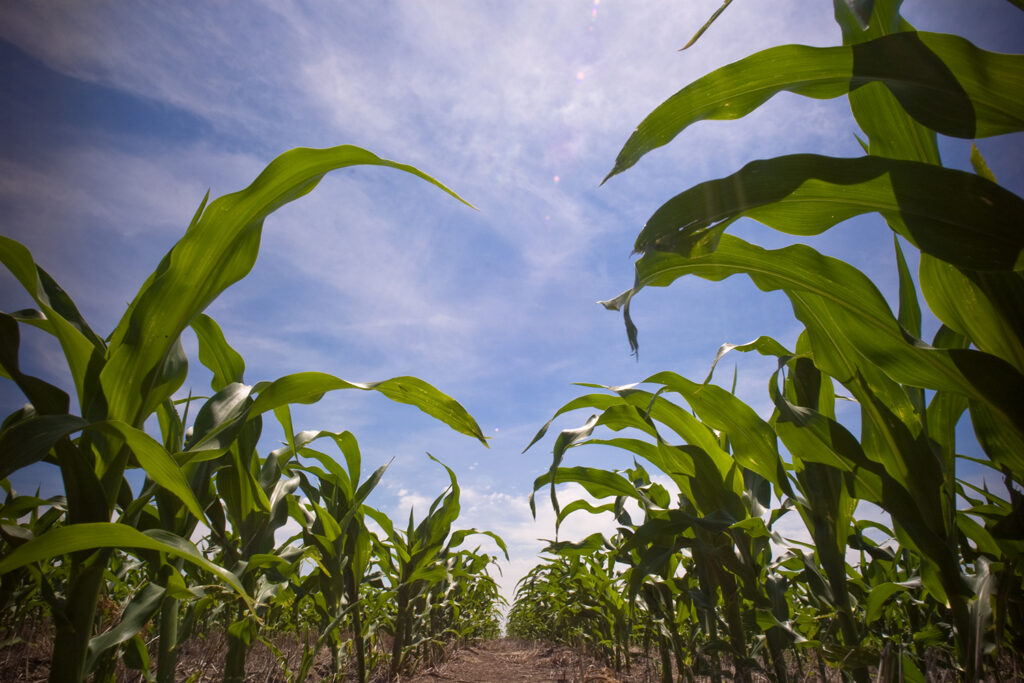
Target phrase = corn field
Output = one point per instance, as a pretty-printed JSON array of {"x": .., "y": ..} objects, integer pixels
[
  {"x": 700, "y": 574},
  {"x": 198, "y": 547},
  {"x": 227, "y": 536}
]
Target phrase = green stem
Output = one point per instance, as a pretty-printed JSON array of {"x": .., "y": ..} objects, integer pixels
[
  {"x": 74, "y": 628},
  {"x": 401, "y": 625},
  {"x": 167, "y": 654},
  {"x": 357, "y": 625}
]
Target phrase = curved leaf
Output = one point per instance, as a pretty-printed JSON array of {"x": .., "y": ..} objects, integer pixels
[
  {"x": 157, "y": 462},
  {"x": 80, "y": 344},
  {"x": 29, "y": 441},
  {"x": 956, "y": 216},
  {"x": 218, "y": 249},
  {"x": 139, "y": 611},
  {"x": 309, "y": 387},
  {"x": 75, "y": 537},
  {"x": 227, "y": 365},
  {"x": 753, "y": 439},
  {"x": 841, "y": 303},
  {"x": 597, "y": 482},
  {"x": 943, "y": 81}
]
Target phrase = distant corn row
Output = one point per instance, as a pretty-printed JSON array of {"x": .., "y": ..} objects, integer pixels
[
  {"x": 198, "y": 546},
  {"x": 938, "y": 584}
]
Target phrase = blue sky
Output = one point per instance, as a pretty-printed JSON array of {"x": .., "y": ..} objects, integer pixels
[{"x": 116, "y": 120}]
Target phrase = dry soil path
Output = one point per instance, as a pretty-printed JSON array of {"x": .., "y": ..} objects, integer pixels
[{"x": 516, "y": 661}]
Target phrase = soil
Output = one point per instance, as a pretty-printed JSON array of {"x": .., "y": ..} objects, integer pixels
[
  {"x": 518, "y": 661},
  {"x": 26, "y": 658}
]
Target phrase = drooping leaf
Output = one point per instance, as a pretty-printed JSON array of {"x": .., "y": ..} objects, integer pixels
[
  {"x": 459, "y": 536},
  {"x": 139, "y": 611},
  {"x": 227, "y": 365},
  {"x": 29, "y": 441},
  {"x": 943, "y": 81},
  {"x": 80, "y": 344},
  {"x": 958, "y": 217},
  {"x": 766, "y": 346},
  {"x": 597, "y": 482},
  {"x": 839, "y": 302},
  {"x": 308, "y": 387},
  {"x": 218, "y": 249},
  {"x": 75, "y": 537}
]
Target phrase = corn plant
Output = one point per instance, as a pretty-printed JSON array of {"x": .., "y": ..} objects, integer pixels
[
  {"x": 338, "y": 532},
  {"x": 904, "y": 87},
  {"x": 415, "y": 561},
  {"x": 123, "y": 379}
]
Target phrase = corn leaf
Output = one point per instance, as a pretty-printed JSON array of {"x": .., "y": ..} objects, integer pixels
[
  {"x": 985, "y": 307},
  {"x": 836, "y": 301},
  {"x": 956, "y": 216},
  {"x": 144, "y": 604},
  {"x": 92, "y": 536},
  {"x": 753, "y": 439},
  {"x": 29, "y": 441},
  {"x": 227, "y": 365},
  {"x": 157, "y": 462},
  {"x": 943, "y": 81},
  {"x": 309, "y": 387},
  {"x": 218, "y": 249},
  {"x": 80, "y": 344}
]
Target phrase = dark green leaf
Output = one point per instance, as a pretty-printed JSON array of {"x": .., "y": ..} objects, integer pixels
[
  {"x": 943, "y": 81},
  {"x": 958, "y": 217}
]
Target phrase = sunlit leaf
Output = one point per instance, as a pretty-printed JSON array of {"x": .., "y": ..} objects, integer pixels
[
  {"x": 943, "y": 81},
  {"x": 217, "y": 250}
]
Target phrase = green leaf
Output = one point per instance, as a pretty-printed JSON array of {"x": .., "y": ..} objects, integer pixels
[
  {"x": 140, "y": 610},
  {"x": 753, "y": 439},
  {"x": 459, "y": 536},
  {"x": 878, "y": 596},
  {"x": 766, "y": 346},
  {"x": 218, "y": 249},
  {"x": 706, "y": 26},
  {"x": 984, "y": 307},
  {"x": 587, "y": 546},
  {"x": 979, "y": 165},
  {"x": 909, "y": 313},
  {"x": 76, "y": 537},
  {"x": 597, "y": 482},
  {"x": 80, "y": 344},
  {"x": 943, "y": 81},
  {"x": 861, "y": 9},
  {"x": 435, "y": 527},
  {"x": 29, "y": 441},
  {"x": 582, "y": 505},
  {"x": 309, "y": 387},
  {"x": 157, "y": 462},
  {"x": 221, "y": 418},
  {"x": 837, "y": 302},
  {"x": 216, "y": 354},
  {"x": 956, "y": 216}
]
